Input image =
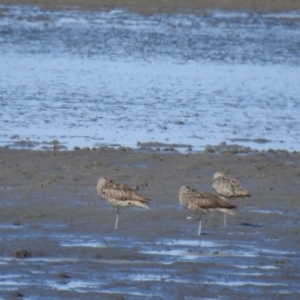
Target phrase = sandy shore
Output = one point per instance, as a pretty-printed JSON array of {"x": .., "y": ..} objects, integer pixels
[
  {"x": 48, "y": 198},
  {"x": 57, "y": 239},
  {"x": 148, "y": 7},
  {"x": 39, "y": 176}
]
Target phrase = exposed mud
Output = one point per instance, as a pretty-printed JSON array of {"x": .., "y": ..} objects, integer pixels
[
  {"x": 147, "y": 7},
  {"x": 57, "y": 237}
]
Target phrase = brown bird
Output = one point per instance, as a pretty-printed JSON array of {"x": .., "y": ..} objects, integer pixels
[
  {"x": 202, "y": 203},
  {"x": 119, "y": 195},
  {"x": 228, "y": 187}
]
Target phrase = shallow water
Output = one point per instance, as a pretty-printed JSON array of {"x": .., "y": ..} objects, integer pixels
[
  {"x": 166, "y": 267},
  {"x": 117, "y": 78}
]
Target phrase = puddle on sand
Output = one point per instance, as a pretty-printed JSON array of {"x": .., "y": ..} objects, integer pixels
[
  {"x": 165, "y": 278},
  {"x": 173, "y": 242},
  {"x": 124, "y": 262},
  {"x": 191, "y": 255},
  {"x": 8, "y": 259},
  {"x": 264, "y": 211},
  {"x": 80, "y": 286},
  {"x": 70, "y": 240},
  {"x": 241, "y": 283},
  {"x": 90, "y": 244},
  {"x": 49, "y": 260},
  {"x": 267, "y": 267},
  {"x": 123, "y": 292},
  {"x": 177, "y": 247},
  {"x": 270, "y": 211},
  {"x": 9, "y": 276},
  {"x": 16, "y": 283},
  {"x": 247, "y": 274},
  {"x": 154, "y": 277},
  {"x": 86, "y": 241},
  {"x": 11, "y": 226},
  {"x": 276, "y": 252}
]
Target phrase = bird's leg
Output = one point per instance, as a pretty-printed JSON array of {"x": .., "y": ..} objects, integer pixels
[
  {"x": 117, "y": 219},
  {"x": 225, "y": 222},
  {"x": 200, "y": 225}
]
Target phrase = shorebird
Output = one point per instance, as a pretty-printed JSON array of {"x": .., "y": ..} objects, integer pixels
[
  {"x": 202, "y": 203},
  {"x": 228, "y": 187},
  {"x": 119, "y": 195}
]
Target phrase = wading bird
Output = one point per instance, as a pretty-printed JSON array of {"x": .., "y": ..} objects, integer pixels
[
  {"x": 202, "y": 203},
  {"x": 228, "y": 187},
  {"x": 119, "y": 195}
]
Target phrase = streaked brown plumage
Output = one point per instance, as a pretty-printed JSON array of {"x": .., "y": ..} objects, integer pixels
[
  {"x": 202, "y": 203},
  {"x": 119, "y": 195},
  {"x": 228, "y": 187}
]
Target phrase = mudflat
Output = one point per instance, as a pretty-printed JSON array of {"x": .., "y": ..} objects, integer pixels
[
  {"x": 58, "y": 238},
  {"x": 148, "y": 7}
]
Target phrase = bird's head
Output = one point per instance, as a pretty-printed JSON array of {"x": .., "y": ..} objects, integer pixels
[
  {"x": 218, "y": 174},
  {"x": 184, "y": 189}
]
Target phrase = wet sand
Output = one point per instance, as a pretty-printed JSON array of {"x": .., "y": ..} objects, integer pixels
[
  {"x": 57, "y": 237},
  {"x": 49, "y": 208},
  {"x": 148, "y": 7}
]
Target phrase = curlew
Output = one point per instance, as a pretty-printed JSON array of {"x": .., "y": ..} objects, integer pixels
[
  {"x": 228, "y": 187},
  {"x": 202, "y": 203},
  {"x": 119, "y": 195}
]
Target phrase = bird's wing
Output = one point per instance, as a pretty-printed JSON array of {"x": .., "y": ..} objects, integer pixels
[
  {"x": 234, "y": 182},
  {"x": 207, "y": 201},
  {"x": 224, "y": 186},
  {"x": 121, "y": 192},
  {"x": 238, "y": 189}
]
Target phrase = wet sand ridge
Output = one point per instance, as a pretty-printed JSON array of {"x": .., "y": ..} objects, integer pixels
[
  {"x": 50, "y": 208},
  {"x": 147, "y": 7}
]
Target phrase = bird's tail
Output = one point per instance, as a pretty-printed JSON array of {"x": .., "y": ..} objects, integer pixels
[
  {"x": 227, "y": 211},
  {"x": 138, "y": 203},
  {"x": 242, "y": 193}
]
